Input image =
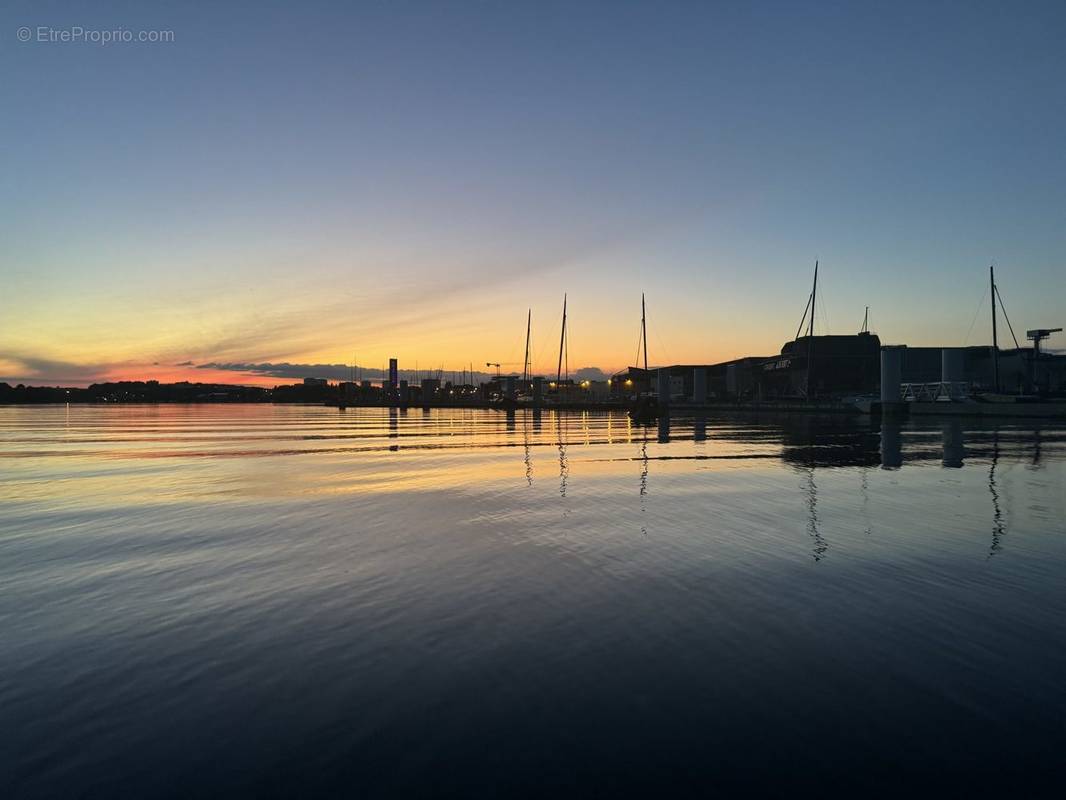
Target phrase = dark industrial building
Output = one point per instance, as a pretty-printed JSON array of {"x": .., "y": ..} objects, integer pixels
[
  {"x": 1021, "y": 370},
  {"x": 844, "y": 366},
  {"x": 629, "y": 382},
  {"x": 823, "y": 366}
]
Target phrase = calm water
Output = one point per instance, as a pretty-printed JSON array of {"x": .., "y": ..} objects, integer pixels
[{"x": 227, "y": 600}]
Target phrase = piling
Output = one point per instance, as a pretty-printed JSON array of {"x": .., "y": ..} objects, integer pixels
[
  {"x": 952, "y": 371},
  {"x": 892, "y": 379},
  {"x": 699, "y": 385},
  {"x": 663, "y": 387}
]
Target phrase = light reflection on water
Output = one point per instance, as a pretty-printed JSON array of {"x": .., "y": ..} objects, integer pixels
[{"x": 280, "y": 599}]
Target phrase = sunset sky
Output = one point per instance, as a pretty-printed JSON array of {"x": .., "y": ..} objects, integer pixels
[{"x": 298, "y": 184}]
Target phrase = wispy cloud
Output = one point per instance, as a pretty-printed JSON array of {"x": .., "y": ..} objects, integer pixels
[{"x": 22, "y": 368}]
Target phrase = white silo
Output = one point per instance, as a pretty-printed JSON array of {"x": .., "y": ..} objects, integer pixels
[
  {"x": 952, "y": 372},
  {"x": 663, "y": 386},
  {"x": 891, "y": 373},
  {"x": 699, "y": 385},
  {"x": 952, "y": 365}
]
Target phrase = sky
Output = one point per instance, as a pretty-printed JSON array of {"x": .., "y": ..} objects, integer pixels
[{"x": 317, "y": 183}]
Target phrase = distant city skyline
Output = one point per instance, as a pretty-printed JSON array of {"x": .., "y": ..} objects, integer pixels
[{"x": 337, "y": 183}]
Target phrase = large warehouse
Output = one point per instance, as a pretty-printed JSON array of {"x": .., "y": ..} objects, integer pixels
[{"x": 844, "y": 366}]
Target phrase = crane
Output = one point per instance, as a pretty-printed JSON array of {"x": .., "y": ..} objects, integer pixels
[
  {"x": 1038, "y": 335},
  {"x": 494, "y": 364}
]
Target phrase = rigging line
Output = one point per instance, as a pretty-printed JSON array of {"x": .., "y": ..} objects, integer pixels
[
  {"x": 514, "y": 349},
  {"x": 662, "y": 344},
  {"x": 803, "y": 318},
  {"x": 536, "y": 355},
  {"x": 546, "y": 353},
  {"x": 566, "y": 351},
  {"x": 1003, "y": 308},
  {"x": 980, "y": 305},
  {"x": 562, "y": 339},
  {"x": 566, "y": 357}
]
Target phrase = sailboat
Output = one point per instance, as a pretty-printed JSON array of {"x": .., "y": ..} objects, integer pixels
[
  {"x": 812, "y": 304},
  {"x": 645, "y": 406},
  {"x": 998, "y": 394},
  {"x": 562, "y": 379},
  {"x": 505, "y": 401},
  {"x": 525, "y": 393}
]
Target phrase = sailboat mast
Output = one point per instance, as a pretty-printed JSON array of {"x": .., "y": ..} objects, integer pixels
[
  {"x": 810, "y": 330},
  {"x": 995, "y": 340},
  {"x": 562, "y": 340},
  {"x": 644, "y": 333},
  {"x": 525, "y": 363}
]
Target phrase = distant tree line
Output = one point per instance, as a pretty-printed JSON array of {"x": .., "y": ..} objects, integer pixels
[{"x": 156, "y": 392}]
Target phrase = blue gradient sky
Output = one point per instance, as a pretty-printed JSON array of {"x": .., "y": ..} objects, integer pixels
[{"x": 286, "y": 183}]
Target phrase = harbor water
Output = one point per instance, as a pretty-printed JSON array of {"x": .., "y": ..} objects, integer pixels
[{"x": 269, "y": 600}]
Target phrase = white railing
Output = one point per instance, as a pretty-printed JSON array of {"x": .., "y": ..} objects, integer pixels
[{"x": 942, "y": 391}]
